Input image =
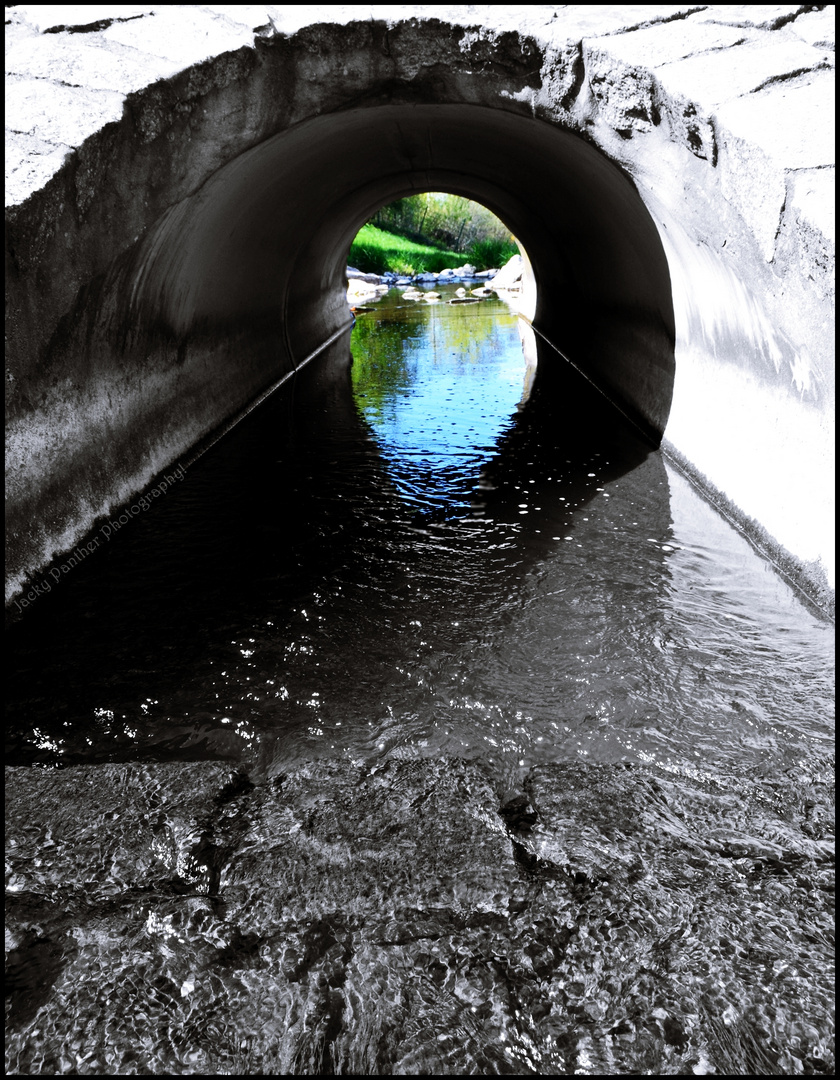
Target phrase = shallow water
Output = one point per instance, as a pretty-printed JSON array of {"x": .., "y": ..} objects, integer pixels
[
  {"x": 435, "y": 556},
  {"x": 425, "y": 561}
]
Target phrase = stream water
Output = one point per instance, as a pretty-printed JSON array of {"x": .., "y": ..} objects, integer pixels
[
  {"x": 432, "y": 553},
  {"x": 437, "y": 565}
]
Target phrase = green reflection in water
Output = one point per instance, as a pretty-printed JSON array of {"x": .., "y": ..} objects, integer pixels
[
  {"x": 389, "y": 342},
  {"x": 439, "y": 384}
]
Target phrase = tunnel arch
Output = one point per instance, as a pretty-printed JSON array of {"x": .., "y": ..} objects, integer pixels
[
  {"x": 196, "y": 251},
  {"x": 266, "y": 237},
  {"x": 116, "y": 373}
]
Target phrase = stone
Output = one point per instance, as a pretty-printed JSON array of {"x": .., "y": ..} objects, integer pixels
[
  {"x": 761, "y": 16},
  {"x": 358, "y": 275},
  {"x": 59, "y": 114},
  {"x": 812, "y": 197},
  {"x": 82, "y": 61},
  {"x": 404, "y": 917},
  {"x": 510, "y": 274},
  {"x": 48, "y": 18},
  {"x": 818, "y": 28},
  {"x": 670, "y": 42},
  {"x": 181, "y": 33},
  {"x": 771, "y": 119},
  {"x": 727, "y": 74}
]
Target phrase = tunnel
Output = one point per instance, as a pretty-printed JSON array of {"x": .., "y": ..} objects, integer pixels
[
  {"x": 265, "y": 242},
  {"x": 180, "y": 248},
  {"x": 230, "y": 289}
]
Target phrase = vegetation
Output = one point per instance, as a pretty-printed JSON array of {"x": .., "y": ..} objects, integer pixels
[
  {"x": 432, "y": 232},
  {"x": 375, "y": 251}
]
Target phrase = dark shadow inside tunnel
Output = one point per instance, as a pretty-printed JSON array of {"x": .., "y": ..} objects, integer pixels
[
  {"x": 232, "y": 288},
  {"x": 181, "y": 639},
  {"x": 261, "y": 247}
]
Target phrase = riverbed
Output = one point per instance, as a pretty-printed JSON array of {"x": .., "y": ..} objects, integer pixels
[{"x": 451, "y": 562}]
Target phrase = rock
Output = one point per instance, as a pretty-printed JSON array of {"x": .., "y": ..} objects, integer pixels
[
  {"x": 358, "y": 275},
  {"x": 509, "y": 276},
  {"x": 461, "y": 292},
  {"x": 358, "y": 289},
  {"x": 431, "y": 296},
  {"x": 481, "y": 292},
  {"x": 406, "y": 906}
]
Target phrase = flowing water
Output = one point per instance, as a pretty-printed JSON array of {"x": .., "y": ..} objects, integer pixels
[
  {"x": 432, "y": 555},
  {"x": 443, "y": 567}
]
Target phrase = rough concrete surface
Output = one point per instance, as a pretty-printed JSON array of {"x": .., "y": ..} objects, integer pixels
[
  {"x": 409, "y": 918},
  {"x": 720, "y": 115}
]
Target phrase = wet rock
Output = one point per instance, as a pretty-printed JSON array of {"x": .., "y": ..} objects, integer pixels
[
  {"x": 397, "y": 919},
  {"x": 358, "y": 275}
]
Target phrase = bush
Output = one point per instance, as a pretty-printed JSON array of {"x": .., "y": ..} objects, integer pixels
[
  {"x": 370, "y": 260},
  {"x": 491, "y": 254}
]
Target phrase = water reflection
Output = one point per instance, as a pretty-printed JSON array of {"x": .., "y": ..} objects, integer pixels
[{"x": 415, "y": 558}]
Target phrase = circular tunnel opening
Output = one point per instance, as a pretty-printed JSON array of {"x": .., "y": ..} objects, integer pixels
[{"x": 263, "y": 245}]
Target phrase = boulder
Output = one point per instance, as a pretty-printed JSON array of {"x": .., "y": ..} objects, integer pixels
[
  {"x": 509, "y": 276},
  {"x": 357, "y": 275},
  {"x": 358, "y": 290}
]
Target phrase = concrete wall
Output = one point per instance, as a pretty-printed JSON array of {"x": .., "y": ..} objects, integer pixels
[{"x": 184, "y": 188}]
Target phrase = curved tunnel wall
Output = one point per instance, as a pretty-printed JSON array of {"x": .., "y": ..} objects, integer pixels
[
  {"x": 186, "y": 257},
  {"x": 265, "y": 241},
  {"x": 236, "y": 284}
]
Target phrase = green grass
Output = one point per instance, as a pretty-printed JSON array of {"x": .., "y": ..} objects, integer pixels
[
  {"x": 491, "y": 253},
  {"x": 375, "y": 251}
]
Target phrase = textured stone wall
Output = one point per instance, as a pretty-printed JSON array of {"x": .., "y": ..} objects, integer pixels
[{"x": 184, "y": 182}]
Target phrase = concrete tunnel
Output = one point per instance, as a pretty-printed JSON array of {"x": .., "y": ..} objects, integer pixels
[
  {"x": 231, "y": 288},
  {"x": 189, "y": 254},
  {"x": 265, "y": 242}
]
